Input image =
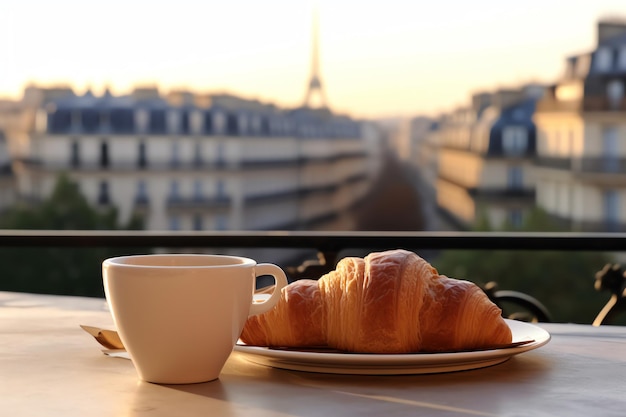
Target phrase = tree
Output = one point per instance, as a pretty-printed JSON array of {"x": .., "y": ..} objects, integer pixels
[
  {"x": 52, "y": 270},
  {"x": 562, "y": 281}
]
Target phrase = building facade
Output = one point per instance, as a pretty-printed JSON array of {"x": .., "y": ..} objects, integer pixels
[
  {"x": 186, "y": 161},
  {"x": 485, "y": 153},
  {"x": 581, "y": 122}
]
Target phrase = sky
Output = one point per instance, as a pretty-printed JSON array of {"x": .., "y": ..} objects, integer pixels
[{"x": 377, "y": 58}]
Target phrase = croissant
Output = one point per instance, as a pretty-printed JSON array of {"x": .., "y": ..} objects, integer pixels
[{"x": 387, "y": 302}]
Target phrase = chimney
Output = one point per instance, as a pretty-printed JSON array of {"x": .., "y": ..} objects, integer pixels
[{"x": 609, "y": 28}]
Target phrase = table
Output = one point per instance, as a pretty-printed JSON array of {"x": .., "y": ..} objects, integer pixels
[{"x": 51, "y": 367}]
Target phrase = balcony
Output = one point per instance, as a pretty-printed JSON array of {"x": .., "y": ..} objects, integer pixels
[
  {"x": 190, "y": 203},
  {"x": 587, "y": 104},
  {"x": 587, "y": 226},
  {"x": 311, "y": 254},
  {"x": 585, "y": 165},
  {"x": 504, "y": 193}
]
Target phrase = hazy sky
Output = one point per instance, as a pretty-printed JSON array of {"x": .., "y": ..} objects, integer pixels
[{"x": 378, "y": 58}]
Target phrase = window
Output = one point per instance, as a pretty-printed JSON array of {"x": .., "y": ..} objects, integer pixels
[
  {"x": 197, "y": 190},
  {"x": 142, "y": 160},
  {"x": 197, "y": 222},
  {"x": 142, "y": 192},
  {"x": 232, "y": 125},
  {"x": 59, "y": 121},
  {"x": 219, "y": 122},
  {"x": 621, "y": 60},
  {"x": 90, "y": 120},
  {"x": 255, "y": 125},
  {"x": 196, "y": 122},
  {"x": 208, "y": 122},
  {"x": 220, "y": 158},
  {"x": 184, "y": 122},
  {"x": 514, "y": 140},
  {"x": 173, "y": 121},
  {"x": 197, "y": 154},
  {"x": 265, "y": 126},
  {"x": 615, "y": 93},
  {"x": 515, "y": 217},
  {"x": 220, "y": 189},
  {"x": 603, "y": 59},
  {"x": 515, "y": 178},
  {"x": 157, "y": 121},
  {"x": 611, "y": 209},
  {"x": 242, "y": 124},
  {"x": 103, "y": 193},
  {"x": 104, "y": 155},
  {"x": 141, "y": 120},
  {"x": 174, "y": 194},
  {"x": 519, "y": 114},
  {"x": 122, "y": 120},
  {"x": 221, "y": 222},
  {"x": 610, "y": 143},
  {"x": 75, "y": 154},
  {"x": 174, "y": 222},
  {"x": 174, "y": 155}
]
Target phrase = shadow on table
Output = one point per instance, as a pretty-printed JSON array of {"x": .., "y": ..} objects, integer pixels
[{"x": 256, "y": 387}]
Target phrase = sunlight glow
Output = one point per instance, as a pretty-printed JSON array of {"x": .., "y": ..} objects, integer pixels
[{"x": 376, "y": 59}]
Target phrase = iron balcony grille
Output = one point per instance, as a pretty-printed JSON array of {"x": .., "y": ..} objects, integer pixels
[{"x": 327, "y": 241}]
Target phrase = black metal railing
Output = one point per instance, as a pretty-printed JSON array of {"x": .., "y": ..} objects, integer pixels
[
  {"x": 325, "y": 242},
  {"x": 329, "y": 246}
]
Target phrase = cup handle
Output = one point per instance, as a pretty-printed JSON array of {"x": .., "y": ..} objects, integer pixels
[{"x": 281, "y": 281}]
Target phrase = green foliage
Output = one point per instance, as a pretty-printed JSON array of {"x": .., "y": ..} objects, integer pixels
[
  {"x": 562, "y": 281},
  {"x": 49, "y": 270}
]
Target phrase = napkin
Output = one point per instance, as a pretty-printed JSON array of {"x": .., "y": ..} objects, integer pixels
[
  {"x": 111, "y": 340},
  {"x": 107, "y": 338}
]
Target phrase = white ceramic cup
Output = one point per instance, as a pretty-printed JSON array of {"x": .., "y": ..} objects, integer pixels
[{"x": 180, "y": 315}]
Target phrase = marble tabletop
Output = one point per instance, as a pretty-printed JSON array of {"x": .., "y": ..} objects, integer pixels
[{"x": 50, "y": 367}]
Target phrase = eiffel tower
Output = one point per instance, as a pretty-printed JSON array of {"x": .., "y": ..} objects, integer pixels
[{"x": 315, "y": 92}]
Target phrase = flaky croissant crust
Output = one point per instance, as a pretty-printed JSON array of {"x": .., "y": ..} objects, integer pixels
[{"x": 387, "y": 302}]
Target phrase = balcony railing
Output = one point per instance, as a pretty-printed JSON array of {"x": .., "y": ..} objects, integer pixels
[
  {"x": 198, "y": 202},
  {"x": 587, "y": 164},
  {"x": 587, "y": 104},
  {"x": 326, "y": 242},
  {"x": 329, "y": 246}
]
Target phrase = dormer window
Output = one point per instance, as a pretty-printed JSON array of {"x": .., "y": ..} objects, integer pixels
[
  {"x": 219, "y": 122},
  {"x": 519, "y": 114},
  {"x": 90, "y": 120},
  {"x": 603, "y": 60},
  {"x": 615, "y": 93},
  {"x": 242, "y": 124},
  {"x": 157, "y": 122},
  {"x": 255, "y": 125},
  {"x": 208, "y": 122},
  {"x": 196, "y": 122},
  {"x": 514, "y": 140},
  {"x": 232, "y": 125},
  {"x": 141, "y": 120},
  {"x": 173, "y": 121}
]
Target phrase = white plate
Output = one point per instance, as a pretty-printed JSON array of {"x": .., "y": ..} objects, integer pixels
[{"x": 392, "y": 364}]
